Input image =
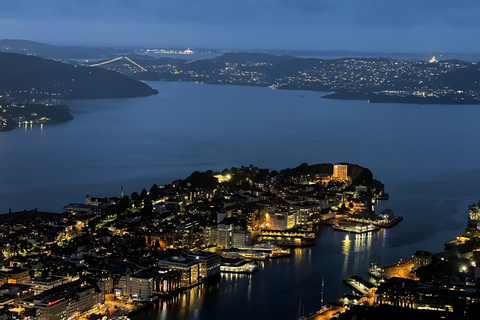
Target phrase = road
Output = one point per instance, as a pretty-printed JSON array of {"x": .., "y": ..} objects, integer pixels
[{"x": 400, "y": 270}]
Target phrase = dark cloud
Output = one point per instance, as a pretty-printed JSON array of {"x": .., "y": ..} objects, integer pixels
[{"x": 338, "y": 23}]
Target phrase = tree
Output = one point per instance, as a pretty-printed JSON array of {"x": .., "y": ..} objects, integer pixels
[{"x": 144, "y": 194}]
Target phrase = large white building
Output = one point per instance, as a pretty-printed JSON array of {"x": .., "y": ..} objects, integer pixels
[{"x": 137, "y": 286}]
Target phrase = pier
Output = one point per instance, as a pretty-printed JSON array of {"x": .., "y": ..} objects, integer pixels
[{"x": 358, "y": 284}]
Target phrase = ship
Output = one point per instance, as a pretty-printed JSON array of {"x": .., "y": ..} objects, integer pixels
[{"x": 272, "y": 250}]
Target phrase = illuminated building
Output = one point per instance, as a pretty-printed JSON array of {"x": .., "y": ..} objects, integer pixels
[
  {"x": 241, "y": 238},
  {"x": 64, "y": 302},
  {"x": 14, "y": 275},
  {"x": 189, "y": 269},
  {"x": 209, "y": 263},
  {"x": 225, "y": 234},
  {"x": 281, "y": 220},
  {"x": 421, "y": 259},
  {"x": 474, "y": 215},
  {"x": 231, "y": 236},
  {"x": 42, "y": 284},
  {"x": 137, "y": 286},
  {"x": 166, "y": 281},
  {"x": 405, "y": 293},
  {"x": 340, "y": 172}
]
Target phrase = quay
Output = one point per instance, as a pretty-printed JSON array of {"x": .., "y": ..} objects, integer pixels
[
  {"x": 345, "y": 300},
  {"x": 358, "y": 284}
]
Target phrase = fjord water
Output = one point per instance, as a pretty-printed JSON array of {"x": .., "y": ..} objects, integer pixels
[{"x": 427, "y": 156}]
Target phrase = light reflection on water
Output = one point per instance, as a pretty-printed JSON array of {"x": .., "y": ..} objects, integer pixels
[{"x": 427, "y": 169}]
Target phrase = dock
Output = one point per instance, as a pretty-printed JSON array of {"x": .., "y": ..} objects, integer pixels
[
  {"x": 355, "y": 227},
  {"x": 358, "y": 284},
  {"x": 345, "y": 300}
]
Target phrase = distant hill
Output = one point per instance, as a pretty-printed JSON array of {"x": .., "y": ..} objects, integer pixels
[
  {"x": 58, "y": 52},
  {"x": 23, "y": 75}
]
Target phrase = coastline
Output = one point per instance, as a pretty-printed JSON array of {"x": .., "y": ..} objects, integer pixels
[
  {"x": 328, "y": 94},
  {"x": 35, "y": 114}
]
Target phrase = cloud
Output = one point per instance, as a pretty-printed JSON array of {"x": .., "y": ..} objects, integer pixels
[{"x": 245, "y": 22}]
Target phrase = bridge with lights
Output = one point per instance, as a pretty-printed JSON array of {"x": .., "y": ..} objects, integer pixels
[{"x": 116, "y": 59}]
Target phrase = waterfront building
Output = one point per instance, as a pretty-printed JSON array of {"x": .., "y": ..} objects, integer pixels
[
  {"x": 189, "y": 269},
  {"x": 294, "y": 238},
  {"x": 411, "y": 294},
  {"x": 209, "y": 263},
  {"x": 340, "y": 172},
  {"x": 166, "y": 281}
]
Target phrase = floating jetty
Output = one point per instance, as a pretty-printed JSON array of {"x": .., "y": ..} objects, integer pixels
[
  {"x": 355, "y": 227},
  {"x": 358, "y": 284},
  {"x": 237, "y": 265}
]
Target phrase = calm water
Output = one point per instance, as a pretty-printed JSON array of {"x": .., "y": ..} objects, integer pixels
[{"x": 426, "y": 155}]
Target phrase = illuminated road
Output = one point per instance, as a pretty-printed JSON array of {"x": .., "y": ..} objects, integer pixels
[
  {"x": 116, "y": 59},
  {"x": 400, "y": 270},
  {"x": 327, "y": 314}
]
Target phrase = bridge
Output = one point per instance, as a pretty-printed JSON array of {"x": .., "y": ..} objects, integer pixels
[{"x": 116, "y": 59}]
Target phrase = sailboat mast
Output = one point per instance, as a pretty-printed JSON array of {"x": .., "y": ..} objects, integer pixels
[{"x": 323, "y": 284}]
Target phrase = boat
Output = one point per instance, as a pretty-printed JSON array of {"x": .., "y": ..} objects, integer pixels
[
  {"x": 253, "y": 255},
  {"x": 245, "y": 254},
  {"x": 272, "y": 250}
]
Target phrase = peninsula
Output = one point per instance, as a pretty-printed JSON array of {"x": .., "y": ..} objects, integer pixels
[
  {"x": 27, "y": 79},
  {"x": 128, "y": 251}
]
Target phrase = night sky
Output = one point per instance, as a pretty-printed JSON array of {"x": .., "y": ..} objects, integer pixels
[{"x": 363, "y": 25}]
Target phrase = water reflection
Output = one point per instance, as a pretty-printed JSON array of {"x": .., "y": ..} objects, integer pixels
[
  {"x": 346, "y": 244},
  {"x": 302, "y": 256}
]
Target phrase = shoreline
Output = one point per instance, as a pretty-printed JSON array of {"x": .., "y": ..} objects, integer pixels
[{"x": 328, "y": 94}]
